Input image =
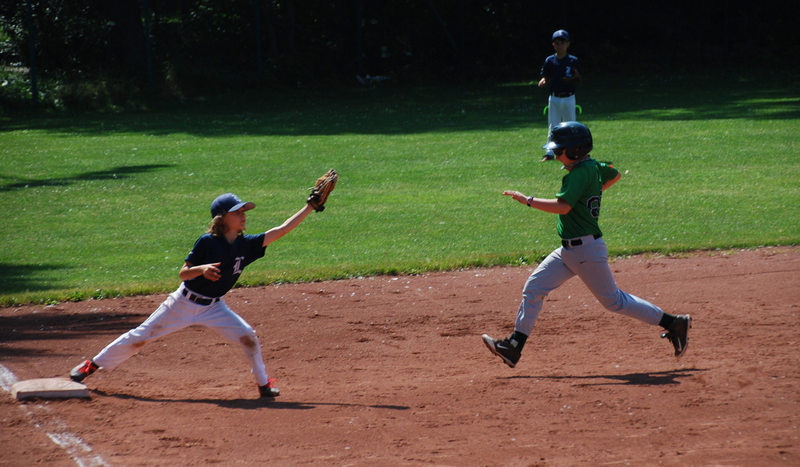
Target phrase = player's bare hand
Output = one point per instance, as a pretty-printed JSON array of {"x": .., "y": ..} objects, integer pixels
[
  {"x": 211, "y": 271},
  {"x": 516, "y": 195}
]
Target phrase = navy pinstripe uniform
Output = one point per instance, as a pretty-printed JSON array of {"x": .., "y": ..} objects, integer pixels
[
  {"x": 562, "y": 73},
  {"x": 210, "y": 270}
]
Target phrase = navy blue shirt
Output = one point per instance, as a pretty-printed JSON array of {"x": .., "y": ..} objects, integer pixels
[
  {"x": 233, "y": 256},
  {"x": 555, "y": 69}
]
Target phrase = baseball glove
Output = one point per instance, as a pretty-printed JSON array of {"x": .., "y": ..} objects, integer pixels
[{"x": 321, "y": 190}]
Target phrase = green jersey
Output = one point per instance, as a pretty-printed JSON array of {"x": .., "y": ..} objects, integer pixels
[{"x": 582, "y": 188}]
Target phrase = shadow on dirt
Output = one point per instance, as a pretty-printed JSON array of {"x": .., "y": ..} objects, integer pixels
[
  {"x": 56, "y": 325},
  {"x": 250, "y": 404},
  {"x": 658, "y": 378}
]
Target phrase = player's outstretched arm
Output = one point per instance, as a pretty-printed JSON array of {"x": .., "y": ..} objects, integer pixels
[
  {"x": 277, "y": 232},
  {"x": 553, "y": 206}
]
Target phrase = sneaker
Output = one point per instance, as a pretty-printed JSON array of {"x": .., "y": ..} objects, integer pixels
[
  {"x": 80, "y": 372},
  {"x": 269, "y": 389},
  {"x": 503, "y": 349},
  {"x": 678, "y": 333}
]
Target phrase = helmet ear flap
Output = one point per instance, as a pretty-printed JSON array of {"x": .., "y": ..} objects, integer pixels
[
  {"x": 575, "y": 153},
  {"x": 572, "y": 153}
]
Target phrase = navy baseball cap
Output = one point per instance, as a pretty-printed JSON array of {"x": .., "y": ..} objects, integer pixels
[
  {"x": 561, "y": 34},
  {"x": 229, "y": 203}
]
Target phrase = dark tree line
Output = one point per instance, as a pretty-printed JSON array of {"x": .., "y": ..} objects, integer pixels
[{"x": 211, "y": 44}]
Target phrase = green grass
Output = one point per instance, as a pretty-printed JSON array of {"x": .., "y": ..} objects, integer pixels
[{"x": 101, "y": 205}]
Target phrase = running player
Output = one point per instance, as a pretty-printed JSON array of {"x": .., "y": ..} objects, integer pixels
[
  {"x": 583, "y": 251},
  {"x": 210, "y": 270}
]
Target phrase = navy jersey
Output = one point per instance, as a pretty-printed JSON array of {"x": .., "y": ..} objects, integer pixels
[
  {"x": 555, "y": 69},
  {"x": 233, "y": 256}
]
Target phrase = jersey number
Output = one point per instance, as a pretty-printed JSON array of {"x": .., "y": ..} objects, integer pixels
[{"x": 593, "y": 204}]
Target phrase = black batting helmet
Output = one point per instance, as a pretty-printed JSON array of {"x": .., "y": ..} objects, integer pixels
[{"x": 575, "y": 137}]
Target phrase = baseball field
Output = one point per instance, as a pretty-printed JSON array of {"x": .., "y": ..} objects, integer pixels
[{"x": 370, "y": 313}]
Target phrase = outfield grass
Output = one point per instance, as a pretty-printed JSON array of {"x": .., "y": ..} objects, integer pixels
[{"x": 108, "y": 204}]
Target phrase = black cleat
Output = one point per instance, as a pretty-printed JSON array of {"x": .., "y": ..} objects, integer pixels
[
  {"x": 678, "y": 333},
  {"x": 269, "y": 389},
  {"x": 503, "y": 349},
  {"x": 80, "y": 372}
]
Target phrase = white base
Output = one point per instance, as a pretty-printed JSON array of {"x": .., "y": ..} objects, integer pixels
[{"x": 48, "y": 388}]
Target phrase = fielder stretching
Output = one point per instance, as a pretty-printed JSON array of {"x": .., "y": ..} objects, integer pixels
[{"x": 210, "y": 270}]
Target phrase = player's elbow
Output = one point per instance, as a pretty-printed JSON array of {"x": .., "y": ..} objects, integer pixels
[
  {"x": 611, "y": 182},
  {"x": 185, "y": 272},
  {"x": 563, "y": 207}
]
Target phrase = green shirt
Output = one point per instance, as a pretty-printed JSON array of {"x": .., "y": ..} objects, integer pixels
[{"x": 582, "y": 188}]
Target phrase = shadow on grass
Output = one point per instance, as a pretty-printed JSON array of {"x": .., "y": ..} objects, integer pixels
[
  {"x": 251, "y": 403},
  {"x": 413, "y": 110},
  {"x": 658, "y": 378},
  {"x": 114, "y": 173},
  {"x": 17, "y": 278}
]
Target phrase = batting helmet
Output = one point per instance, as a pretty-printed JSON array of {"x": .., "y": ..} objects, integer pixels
[{"x": 575, "y": 137}]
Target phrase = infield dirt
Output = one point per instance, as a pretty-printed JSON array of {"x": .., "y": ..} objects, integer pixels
[{"x": 392, "y": 371}]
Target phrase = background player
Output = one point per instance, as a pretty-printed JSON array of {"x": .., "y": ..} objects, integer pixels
[
  {"x": 583, "y": 251},
  {"x": 210, "y": 270},
  {"x": 561, "y": 71}
]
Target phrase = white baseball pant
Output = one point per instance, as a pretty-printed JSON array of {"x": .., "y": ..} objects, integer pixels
[
  {"x": 560, "y": 109},
  {"x": 178, "y": 312}
]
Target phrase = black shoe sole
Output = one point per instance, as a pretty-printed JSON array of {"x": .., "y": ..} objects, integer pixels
[
  {"x": 489, "y": 342},
  {"x": 275, "y": 392},
  {"x": 686, "y": 346}
]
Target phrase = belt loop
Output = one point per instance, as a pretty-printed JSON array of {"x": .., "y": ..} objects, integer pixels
[{"x": 192, "y": 297}]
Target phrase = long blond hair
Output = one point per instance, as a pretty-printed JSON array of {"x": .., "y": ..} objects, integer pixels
[{"x": 217, "y": 227}]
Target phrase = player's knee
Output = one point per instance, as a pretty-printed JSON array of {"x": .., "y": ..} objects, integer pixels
[
  {"x": 534, "y": 301},
  {"x": 250, "y": 339},
  {"x": 615, "y": 303},
  {"x": 534, "y": 293}
]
